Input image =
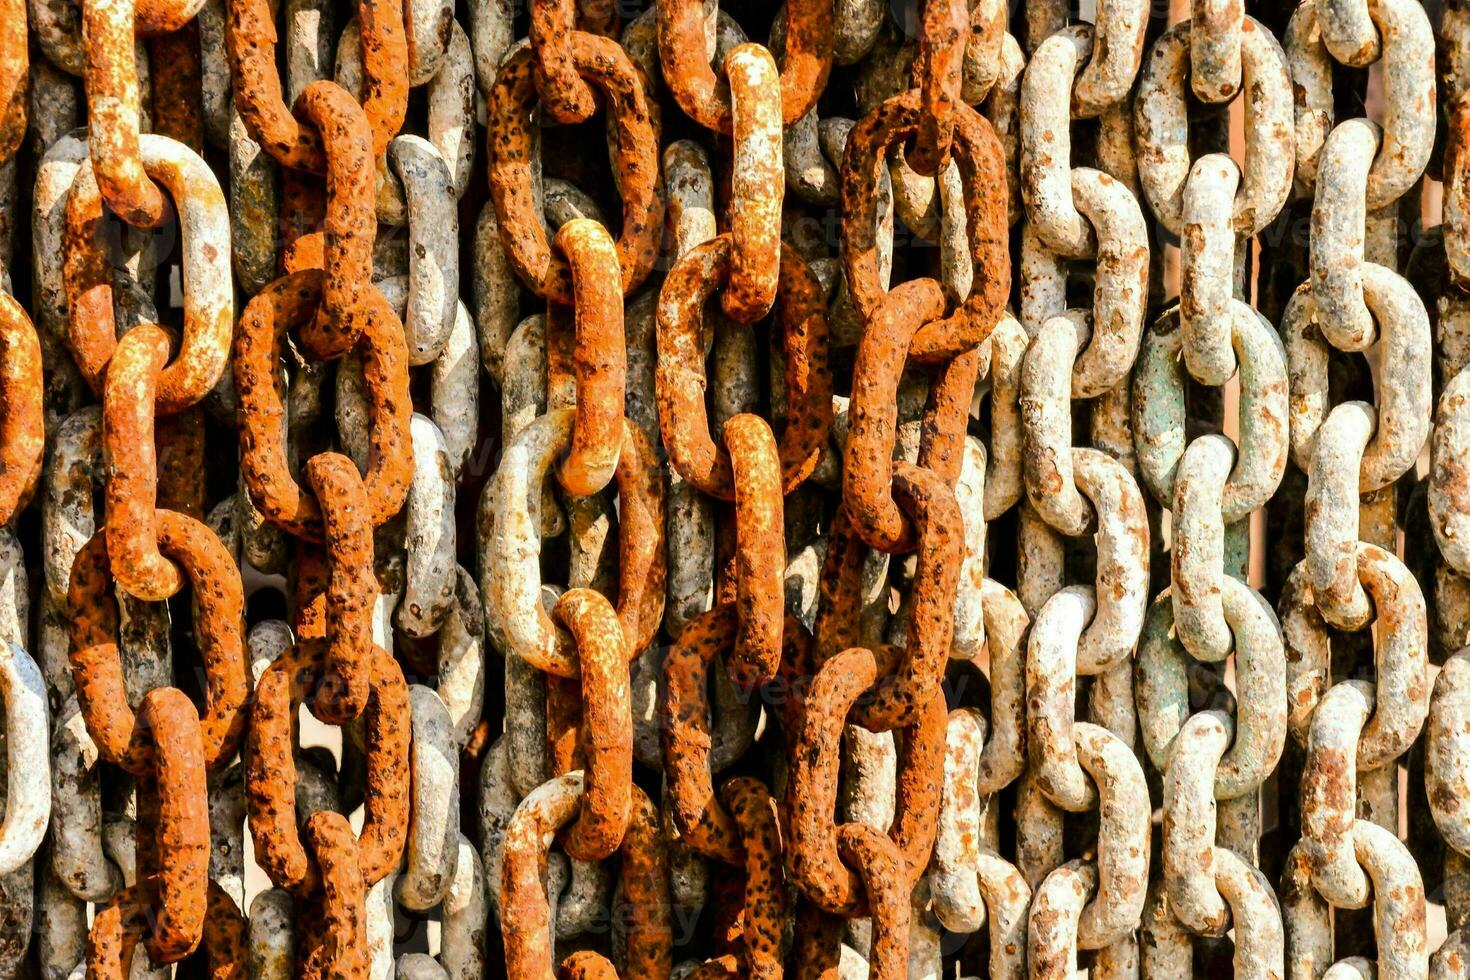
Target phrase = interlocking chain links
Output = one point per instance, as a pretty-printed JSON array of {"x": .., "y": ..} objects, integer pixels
[
  {"x": 808, "y": 664},
  {"x": 747, "y": 629},
  {"x": 153, "y": 537},
  {"x": 340, "y": 882},
  {"x": 1354, "y": 299},
  {"x": 575, "y": 722},
  {"x": 1079, "y": 631}
]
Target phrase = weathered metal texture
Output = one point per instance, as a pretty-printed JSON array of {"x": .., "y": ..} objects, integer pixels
[
  {"x": 760, "y": 551},
  {"x": 1159, "y": 412},
  {"x": 111, "y": 82},
  {"x": 981, "y": 160},
  {"x": 515, "y": 576},
  {"x": 847, "y": 690},
  {"x": 287, "y": 304},
  {"x": 607, "y": 723},
  {"x": 14, "y": 77},
  {"x": 251, "y": 37},
  {"x": 97, "y": 666},
  {"x": 681, "y": 374},
  {"x": 22, "y": 439},
  {"x": 812, "y": 849},
  {"x": 209, "y": 312},
  {"x": 270, "y": 770},
  {"x": 682, "y": 42},
  {"x": 512, "y": 181},
  {"x": 1161, "y": 128}
]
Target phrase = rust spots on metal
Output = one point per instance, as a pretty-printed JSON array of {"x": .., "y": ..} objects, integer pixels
[
  {"x": 285, "y": 305},
  {"x": 294, "y": 141},
  {"x": 511, "y": 150},
  {"x": 599, "y": 359},
  {"x": 706, "y": 99},
  {"x": 270, "y": 768},
  {"x": 981, "y": 162},
  {"x": 22, "y": 413},
  {"x": 607, "y": 725},
  {"x": 681, "y": 376},
  {"x": 96, "y": 665}
]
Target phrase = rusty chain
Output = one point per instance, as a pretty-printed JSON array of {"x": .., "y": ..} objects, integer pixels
[{"x": 963, "y": 489}]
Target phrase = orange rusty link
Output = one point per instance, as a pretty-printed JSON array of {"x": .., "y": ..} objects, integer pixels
[
  {"x": 586, "y": 965},
  {"x": 681, "y": 376},
  {"x": 15, "y": 77},
  {"x": 607, "y": 725},
  {"x": 603, "y": 63},
  {"x": 755, "y": 814},
  {"x": 880, "y": 865},
  {"x": 155, "y": 17},
  {"x": 816, "y": 942},
  {"x": 645, "y": 905},
  {"x": 840, "y": 588},
  {"x": 649, "y": 923},
  {"x": 168, "y": 905},
  {"x": 873, "y": 413},
  {"x": 947, "y": 414},
  {"x": 704, "y": 824},
  {"x": 868, "y": 466},
  {"x": 110, "y": 80},
  {"x": 270, "y": 769},
  {"x": 87, "y": 277},
  {"x": 525, "y": 917},
  {"x": 224, "y": 937},
  {"x": 251, "y": 42},
  {"x": 177, "y": 110},
  {"x": 22, "y": 411},
  {"x": 116, "y": 930},
  {"x": 343, "y": 939},
  {"x": 902, "y": 697},
  {"x": 599, "y": 357},
  {"x": 97, "y": 666},
  {"x": 125, "y": 919},
  {"x": 182, "y": 842},
  {"x": 811, "y": 792},
  {"x": 351, "y": 586},
  {"x": 760, "y": 550},
  {"x": 937, "y": 69},
  {"x": 350, "y": 223},
  {"x": 131, "y": 491},
  {"x": 757, "y": 184},
  {"x": 565, "y": 95},
  {"x": 981, "y": 162},
  {"x": 706, "y": 98},
  {"x": 641, "y": 558},
  {"x": 260, "y": 343},
  {"x": 811, "y": 795}
]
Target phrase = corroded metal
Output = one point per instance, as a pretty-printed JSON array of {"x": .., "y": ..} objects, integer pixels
[{"x": 960, "y": 489}]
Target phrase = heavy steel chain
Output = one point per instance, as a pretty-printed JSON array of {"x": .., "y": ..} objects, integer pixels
[{"x": 961, "y": 489}]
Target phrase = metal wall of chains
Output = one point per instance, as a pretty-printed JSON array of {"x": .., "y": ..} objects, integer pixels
[{"x": 647, "y": 489}]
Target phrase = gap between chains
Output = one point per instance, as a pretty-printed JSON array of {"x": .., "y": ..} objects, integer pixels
[{"x": 946, "y": 488}]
